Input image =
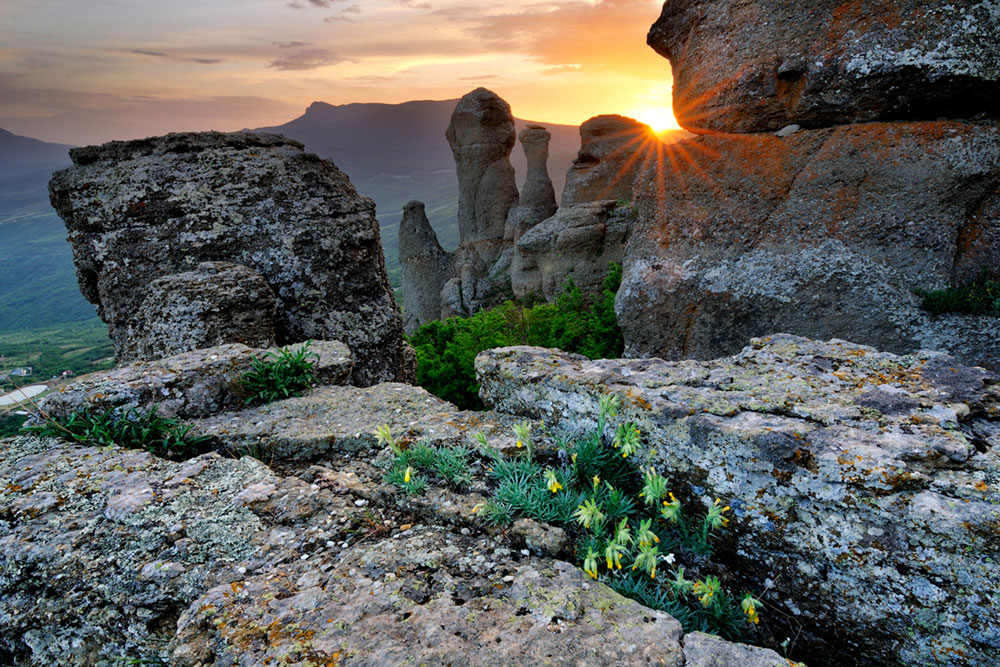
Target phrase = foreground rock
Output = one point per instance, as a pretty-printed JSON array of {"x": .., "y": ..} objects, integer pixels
[
  {"x": 824, "y": 233},
  {"x": 187, "y": 385},
  {"x": 214, "y": 304},
  {"x": 863, "y": 484},
  {"x": 109, "y": 555},
  {"x": 760, "y": 65},
  {"x": 140, "y": 210}
]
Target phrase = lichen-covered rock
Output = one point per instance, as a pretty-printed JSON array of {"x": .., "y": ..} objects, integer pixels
[
  {"x": 701, "y": 650},
  {"x": 140, "y": 210},
  {"x": 580, "y": 241},
  {"x": 215, "y": 304},
  {"x": 426, "y": 267},
  {"x": 613, "y": 151},
  {"x": 764, "y": 64},
  {"x": 191, "y": 384},
  {"x": 823, "y": 233},
  {"x": 110, "y": 555},
  {"x": 864, "y": 486},
  {"x": 481, "y": 136}
]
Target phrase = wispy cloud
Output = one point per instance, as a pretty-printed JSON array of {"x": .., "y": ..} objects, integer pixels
[
  {"x": 184, "y": 59},
  {"x": 303, "y": 56}
]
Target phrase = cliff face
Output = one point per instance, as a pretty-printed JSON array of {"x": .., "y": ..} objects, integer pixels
[
  {"x": 826, "y": 231},
  {"x": 141, "y": 210}
]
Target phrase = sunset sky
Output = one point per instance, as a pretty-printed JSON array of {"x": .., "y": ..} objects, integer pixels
[{"x": 86, "y": 71}]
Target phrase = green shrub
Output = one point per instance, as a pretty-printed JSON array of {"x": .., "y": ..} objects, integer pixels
[
  {"x": 450, "y": 465},
  {"x": 279, "y": 374},
  {"x": 10, "y": 424},
  {"x": 977, "y": 297},
  {"x": 631, "y": 532},
  {"x": 132, "y": 430},
  {"x": 446, "y": 351}
]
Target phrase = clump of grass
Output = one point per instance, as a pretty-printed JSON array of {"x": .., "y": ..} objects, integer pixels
[
  {"x": 132, "y": 430},
  {"x": 279, "y": 374},
  {"x": 976, "y": 297},
  {"x": 450, "y": 465},
  {"x": 631, "y": 531}
]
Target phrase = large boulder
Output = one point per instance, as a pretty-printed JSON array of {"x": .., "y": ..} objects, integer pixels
[
  {"x": 613, "y": 152},
  {"x": 216, "y": 303},
  {"x": 863, "y": 485},
  {"x": 140, "y": 210},
  {"x": 823, "y": 233},
  {"x": 762, "y": 64}
]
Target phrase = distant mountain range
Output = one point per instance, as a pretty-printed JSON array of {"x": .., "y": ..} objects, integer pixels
[
  {"x": 398, "y": 152},
  {"x": 19, "y": 155}
]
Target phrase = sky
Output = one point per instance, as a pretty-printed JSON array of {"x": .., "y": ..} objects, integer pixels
[{"x": 88, "y": 71}]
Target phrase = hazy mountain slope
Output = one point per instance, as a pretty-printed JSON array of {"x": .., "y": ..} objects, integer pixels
[
  {"x": 398, "y": 152},
  {"x": 37, "y": 279},
  {"x": 22, "y": 154}
]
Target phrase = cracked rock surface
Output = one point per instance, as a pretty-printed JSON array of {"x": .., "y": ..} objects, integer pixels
[{"x": 865, "y": 486}]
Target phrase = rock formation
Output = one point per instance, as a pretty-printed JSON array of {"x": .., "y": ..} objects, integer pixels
[
  {"x": 580, "y": 241},
  {"x": 426, "y": 268},
  {"x": 863, "y": 484},
  {"x": 214, "y": 304},
  {"x": 538, "y": 197},
  {"x": 140, "y": 210},
  {"x": 824, "y": 232},
  {"x": 481, "y": 136},
  {"x": 760, "y": 65},
  {"x": 540, "y": 245},
  {"x": 613, "y": 151}
]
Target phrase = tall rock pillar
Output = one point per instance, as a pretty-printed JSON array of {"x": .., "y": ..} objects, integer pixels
[{"x": 426, "y": 268}]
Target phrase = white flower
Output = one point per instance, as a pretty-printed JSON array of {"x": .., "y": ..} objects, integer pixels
[{"x": 668, "y": 559}]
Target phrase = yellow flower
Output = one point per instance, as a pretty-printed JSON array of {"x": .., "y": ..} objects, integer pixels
[
  {"x": 597, "y": 481},
  {"x": 552, "y": 481},
  {"x": 519, "y": 444},
  {"x": 406, "y": 477}
]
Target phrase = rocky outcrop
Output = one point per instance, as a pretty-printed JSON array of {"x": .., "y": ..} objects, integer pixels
[
  {"x": 214, "y": 304},
  {"x": 863, "y": 484},
  {"x": 188, "y": 385},
  {"x": 140, "y": 210},
  {"x": 538, "y": 197},
  {"x": 578, "y": 242},
  {"x": 426, "y": 268},
  {"x": 822, "y": 233},
  {"x": 481, "y": 136},
  {"x": 760, "y": 65},
  {"x": 613, "y": 151}
]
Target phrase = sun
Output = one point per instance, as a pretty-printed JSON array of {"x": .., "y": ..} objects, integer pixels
[{"x": 658, "y": 118}]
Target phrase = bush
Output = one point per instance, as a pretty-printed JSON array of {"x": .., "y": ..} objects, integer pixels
[
  {"x": 977, "y": 297},
  {"x": 10, "y": 424},
  {"x": 446, "y": 351},
  {"x": 279, "y": 374},
  {"x": 132, "y": 430}
]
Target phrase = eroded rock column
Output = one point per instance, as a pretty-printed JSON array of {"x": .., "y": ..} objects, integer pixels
[{"x": 426, "y": 267}]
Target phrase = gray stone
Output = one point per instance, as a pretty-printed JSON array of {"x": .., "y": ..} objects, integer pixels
[
  {"x": 824, "y": 233},
  {"x": 538, "y": 197},
  {"x": 214, "y": 304},
  {"x": 139, "y": 210},
  {"x": 613, "y": 151},
  {"x": 190, "y": 384},
  {"x": 580, "y": 241},
  {"x": 875, "y": 531},
  {"x": 701, "y": 650},
  {"x": 481, "y": 136},
  {"x": 758, "y": 66},
  {"x": 426, "y": 268}
]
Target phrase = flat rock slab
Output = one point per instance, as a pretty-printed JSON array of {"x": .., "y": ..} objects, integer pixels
[
  {"x": 187, "y": 385},
  {"x": 865, "y": 486},
  {"x": 338, "y": 419}
]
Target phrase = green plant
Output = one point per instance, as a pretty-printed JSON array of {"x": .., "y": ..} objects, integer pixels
[
  {"x": 132, "y": 430},
  {"x": 626, "y": 523},
  {"x": 279, "y": 374},
  {"x": 980, "y": 296},
  {"x": 449, "y": 464},
  {"x": 446, "y": 351}
]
